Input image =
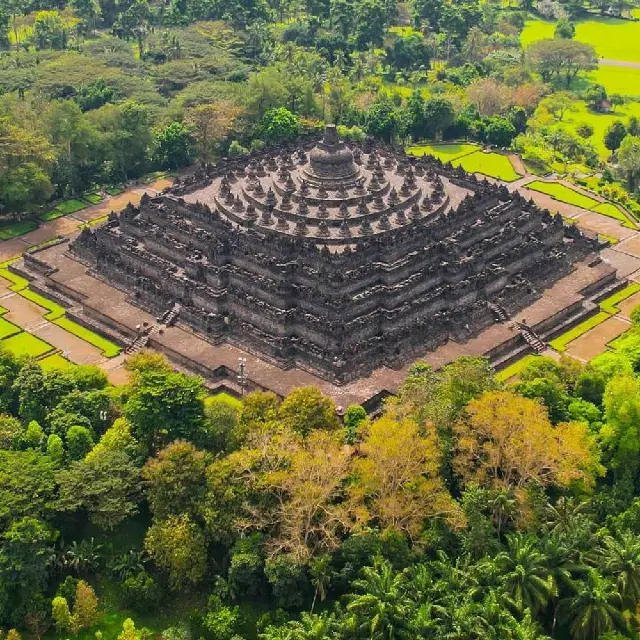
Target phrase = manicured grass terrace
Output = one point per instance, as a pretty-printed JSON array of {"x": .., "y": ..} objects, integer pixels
[
  {"x": 608, "y": 308},
  {"x": 54, "y": 361},
  {"x": 471, "y": 158},
  {"x": 16, "y": 229},
  {"x": 26, "y": 344},
  {"x": 562, "y": 193},
  {"x": 56, "y": 314},
  {"x": 64, "y": 209},
  {"x": 516, "y": 368}
]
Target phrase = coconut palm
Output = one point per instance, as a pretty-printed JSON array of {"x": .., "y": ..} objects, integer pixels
[
  {"x": 524, "y": 574},
  {"x": 595, "y": 608},
  {"x": 621, "y": 561},
  {"x": 381, "y": 609}
]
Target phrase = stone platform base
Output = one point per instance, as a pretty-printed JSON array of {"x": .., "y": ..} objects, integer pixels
[{"x": 100, "y": 306}]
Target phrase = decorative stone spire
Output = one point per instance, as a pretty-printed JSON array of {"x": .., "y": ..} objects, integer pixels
[
  {"x": 384, "y": 223},
  {"x": 344, "y": 210},
  {"x": 323, "y": 212},
  {"x": 323, "y": 229},
  {"x": 365, "y": 228}
]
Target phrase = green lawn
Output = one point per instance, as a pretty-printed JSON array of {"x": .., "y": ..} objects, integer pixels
[
  {"x": 93, "y": 198},
  {"x": 444, "y": 152},
  {"x": 563, "y": 194},
  {"x": 25, "y": 344},
  {"x": 494, "y": 165},
  {"x": 64, "y": 209},
  {"x": 516, "y": 368},
  {"x": 114, "y": 191},
  {"x": 54, "y": 361},
  {"x": 560, "y": 343},
  {"x": 109, "y": 349},
  {"x": 611, "y": 211},
  {"x": 610, "y": 304},
  {"x": 613, "y": 39},
  {"x": 56, "y": 314},
  {"x": 15, "y": 229},
  {"x": 228, "y": 398},
  {"x": 622, "y": 80},
  {"x": 8, "y": 329}
]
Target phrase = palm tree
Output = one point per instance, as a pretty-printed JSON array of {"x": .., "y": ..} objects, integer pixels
[
  {"x": 380, "y": 611},
  {"x": 595, "y": 609},
  {"x": 320, "y": 570},
  {"x": 524, "y": 573},
  {"x": 621, "y": 561}
]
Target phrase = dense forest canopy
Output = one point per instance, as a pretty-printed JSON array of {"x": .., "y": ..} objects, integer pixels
[{"x": 467, "y": 509}]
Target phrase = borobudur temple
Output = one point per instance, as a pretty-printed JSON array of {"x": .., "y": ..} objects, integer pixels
[{"x": 332, "y": 257}]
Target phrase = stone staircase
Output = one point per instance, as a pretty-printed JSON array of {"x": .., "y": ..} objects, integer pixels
[
  {"x": 499, "y": 313},
  {"x": 139, "y": 343},
  {"x": 532, "y": 339}
]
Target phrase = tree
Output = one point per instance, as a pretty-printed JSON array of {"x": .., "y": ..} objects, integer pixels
[
  {"x": 33, "y": 436},
  {"x": 614, "y": 135},
  {"x": 629, "y": 161},
  {"x": 105, "y": 485},
  {"x": 595, "y": 608},
  {"x": 164, "y": 406},
  {"x": 55, "y": 449},
  {"x": 61, "y": 614},
  {"x": 225, "y": 433},
  {"x": 172, "y": 146},
  {"x": 25, "y": 553},
  {"x": 380, "y": 607},
  {"x": 524, "y": 574},
  {"x": 621, "y": 561},
  {"x": 278, "y": 125},
  {"x": 491, "y": 98},
  {"x": 85, "y": 606},
  {"x": 438, "y": 115},
  {"x": 371, "y": 20},
  {"x": 134, "y": 22},
  {"x": 177, "y": 545},
  {"x": 27, "y": 486},
  {"x": 559, "y": 57},
  {"x": 508, "y": 441},
  {"x": 10, "y": 432},
  {"x": 565, "y": 29},
  {"x": 288, "y": 579},
  {"x": 129, "y": 631},
  {"x": 175, "y": 480},
  {"x": 596, "y": 97},
  {"x": 79, "y": 442},
  {"x": 305, "y": 409},
  {"x": 396, "y": 481},
  {"x": 500, "y": 132},
  {"x": 354, "y": 417},
  {"x": 383, "y": 121}
]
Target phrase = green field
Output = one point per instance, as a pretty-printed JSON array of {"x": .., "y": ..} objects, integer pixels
[
  {"x": 444, "y": 152},
  {"x": 611, "y": 211},
  {"x": 610, "y": 304},
  {"x": 622, "y": 80},
  {"x": 560, "y": 343},
  {"x": 228, "y": 399},
  {"x": 16, "y": 229},
  {"x": 25, "y": 344},
  {"x": 8, "y": 329},
  {"x": 64, "y": 209},
  {"x": 494, "y": 165},
  {"x": 54, "y": 361},
  {"x": 613, "y": 39},
  {"x": 109, "y": 349},
  {"x": 470, "y": 158},
  {"x": 563, "y": 194},
  {"x": 516, "y": 368},
  {"x": 93, "y": 198}
]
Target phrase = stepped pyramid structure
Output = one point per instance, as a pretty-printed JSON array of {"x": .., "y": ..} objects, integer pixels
[{"x": 337, "y": 259}]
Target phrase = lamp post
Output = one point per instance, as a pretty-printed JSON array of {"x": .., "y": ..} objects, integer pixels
[{"x": 242, "y": 376}]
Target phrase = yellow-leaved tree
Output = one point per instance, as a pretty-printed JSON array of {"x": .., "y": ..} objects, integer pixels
[
  {"x": 396, "y": 481},
  {"x": 507, "y": 441}
]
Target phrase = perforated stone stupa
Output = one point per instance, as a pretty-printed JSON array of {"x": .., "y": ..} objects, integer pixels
[{"x": 332, "y": 257}]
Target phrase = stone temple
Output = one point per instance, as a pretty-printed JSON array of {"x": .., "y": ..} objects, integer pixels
[{"x": 336, "y": 259}]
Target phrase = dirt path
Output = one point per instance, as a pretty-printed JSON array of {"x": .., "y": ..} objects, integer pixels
[{"x": 618, "y": 63}]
